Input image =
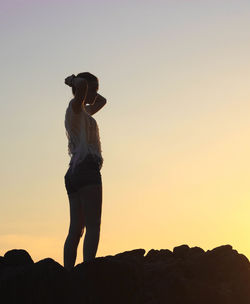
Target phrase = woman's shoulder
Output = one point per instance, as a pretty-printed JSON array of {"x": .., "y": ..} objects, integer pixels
[
  {"x": 75, "y": 107},
  {"x": 78, "y": 108}
]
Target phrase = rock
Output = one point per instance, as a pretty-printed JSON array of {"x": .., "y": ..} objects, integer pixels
[
  {"x": 16, "y": 257},
  {"x": 186, "y": 275}
]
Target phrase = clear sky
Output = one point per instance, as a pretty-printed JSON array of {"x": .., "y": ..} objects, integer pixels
[{"x": 174, "y": 131}]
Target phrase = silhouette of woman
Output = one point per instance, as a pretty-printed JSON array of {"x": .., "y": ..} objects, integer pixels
[{"x": 83, "y": 180}]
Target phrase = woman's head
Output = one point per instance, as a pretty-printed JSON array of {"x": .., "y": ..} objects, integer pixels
[{"x": 93, "y": 86}]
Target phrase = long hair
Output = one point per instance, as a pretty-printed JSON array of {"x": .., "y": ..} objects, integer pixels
[{"x": 86, "y": 75}]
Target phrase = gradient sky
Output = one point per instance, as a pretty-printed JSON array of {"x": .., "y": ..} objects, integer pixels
[{"x": 174, "y": 131}]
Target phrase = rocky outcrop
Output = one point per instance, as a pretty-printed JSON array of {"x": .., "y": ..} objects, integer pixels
[{"x": 184, "y": 276}]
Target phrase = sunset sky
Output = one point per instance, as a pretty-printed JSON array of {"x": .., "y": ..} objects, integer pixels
[{"x": 174, "y": 130}]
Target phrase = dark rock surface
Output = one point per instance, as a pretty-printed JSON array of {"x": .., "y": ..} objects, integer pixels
[{"x": 184, "y": 276}]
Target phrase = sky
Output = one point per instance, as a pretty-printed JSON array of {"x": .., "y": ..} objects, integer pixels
[{"x": 174, "y": 131}]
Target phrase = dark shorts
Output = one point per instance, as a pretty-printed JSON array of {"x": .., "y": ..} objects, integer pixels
[{"x": 85, "y": 173}]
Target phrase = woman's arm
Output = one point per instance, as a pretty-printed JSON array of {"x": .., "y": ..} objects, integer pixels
[{"x": 100, "y": 102}]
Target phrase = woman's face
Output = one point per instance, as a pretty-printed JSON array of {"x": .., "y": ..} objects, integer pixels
[{"x": 92, "y": 92}]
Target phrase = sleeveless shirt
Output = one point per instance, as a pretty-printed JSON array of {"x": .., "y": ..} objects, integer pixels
[{"x": 83, "y": 136}]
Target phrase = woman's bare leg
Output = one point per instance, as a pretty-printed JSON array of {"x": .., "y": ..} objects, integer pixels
[
  {"x": 91, "y": 200},
  {"x": 75, "y": 231}
]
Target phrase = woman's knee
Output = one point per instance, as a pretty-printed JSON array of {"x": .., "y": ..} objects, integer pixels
[
  {"x": 93, "y": 220},
  {"x": 75, "y": 232},
  {"x": 93, "y": 225}
]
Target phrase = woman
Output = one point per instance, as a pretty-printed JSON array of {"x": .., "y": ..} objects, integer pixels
[{"x": 83, "y": 180}]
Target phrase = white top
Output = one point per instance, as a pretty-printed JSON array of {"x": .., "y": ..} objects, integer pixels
[{"x": 83, "y": 136}]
